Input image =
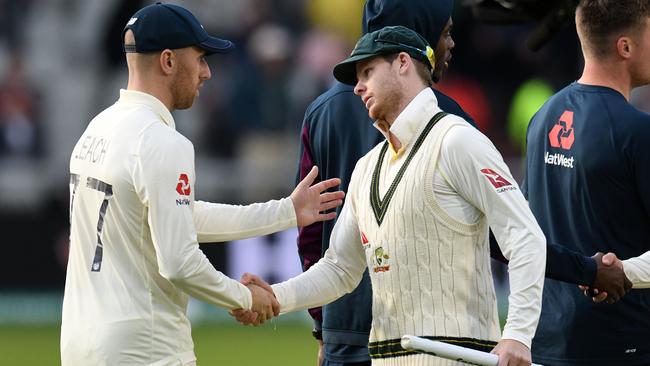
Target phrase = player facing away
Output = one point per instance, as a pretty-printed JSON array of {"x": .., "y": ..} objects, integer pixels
[
  {"x": 135, "y": 226},
  {"x": 416, "y": 216},
  {"x": 587, "y": 182}
]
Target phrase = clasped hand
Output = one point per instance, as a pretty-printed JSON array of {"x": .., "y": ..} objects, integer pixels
[
  {"x": 265, "y": 305},
  {"x": 610, "y": 284}
]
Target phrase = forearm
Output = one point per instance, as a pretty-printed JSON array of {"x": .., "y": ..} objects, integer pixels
[
  {"x": 325, "y": 282},
  {"x": 216, "y": 222},
  {"x": 337, "y": 273},
  {"x": 526, "y": 275},
  {"x": 199, "y": 279},
  {"x": 565, "y": 265}
]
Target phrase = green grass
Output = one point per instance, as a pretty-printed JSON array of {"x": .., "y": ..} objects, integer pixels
[{"x": 222, "y": 344}]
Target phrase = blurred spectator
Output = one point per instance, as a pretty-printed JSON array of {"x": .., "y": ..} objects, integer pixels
[{"x": 18, "y": 127}]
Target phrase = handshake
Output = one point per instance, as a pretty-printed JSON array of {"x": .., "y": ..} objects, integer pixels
[
  {"x": 610, "y": 284},
  {"x": 265, "y": 305}
]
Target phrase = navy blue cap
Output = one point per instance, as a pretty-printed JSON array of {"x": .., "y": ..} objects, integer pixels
[
  {"x": 166, "y": 26},
  {"x": 427, "y": 17}
]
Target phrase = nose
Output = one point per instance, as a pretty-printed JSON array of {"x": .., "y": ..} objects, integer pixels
[
  {"x": 206, "y": 72},
  {"x": 452, "y": 44},
  {"x": 359, "y": 88}
]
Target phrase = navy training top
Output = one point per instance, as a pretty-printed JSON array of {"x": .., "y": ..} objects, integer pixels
[{"x": 588, "y": 185}]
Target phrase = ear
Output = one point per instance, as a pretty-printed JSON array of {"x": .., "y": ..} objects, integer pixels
[
  {"x": 624, "y": 47},
  {"x": 167, "y": 61},
  {"x": 404, "y": 62}
]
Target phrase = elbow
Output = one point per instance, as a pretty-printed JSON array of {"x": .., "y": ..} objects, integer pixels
[{"x": 173, "y": 272}]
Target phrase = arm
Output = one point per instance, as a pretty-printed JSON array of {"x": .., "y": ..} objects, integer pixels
[
  {"x": 171, "y": 224},
  {"x": 307, "y": 202},
  {"x": 337, "y": 273},
  {"x": 217, "y": 222},
  {"x": 520, "y": 238}
]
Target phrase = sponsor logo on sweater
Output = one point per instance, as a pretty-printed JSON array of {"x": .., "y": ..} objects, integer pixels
[
  {"x": 561, "y": 135},
  {"x": 364, "y": 240},
  {"x": 500, "y": 183},
  {"x": 558, "y": 159},
  {"x": 183, "y": 186}
]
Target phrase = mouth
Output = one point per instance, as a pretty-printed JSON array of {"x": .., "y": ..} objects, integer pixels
[
  {"x": 447, "y": 61},
  {"x": 366, "y": 101}
]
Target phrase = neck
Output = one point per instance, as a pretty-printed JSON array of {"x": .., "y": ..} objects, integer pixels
[
  {"x": 407, "y": 97},
  {"x": 151, "y": 87},
  {"x": 610, "y": 74}
]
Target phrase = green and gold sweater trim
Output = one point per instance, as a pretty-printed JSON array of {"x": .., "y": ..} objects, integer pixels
[
  {"x": 379, "y": 206},
  {"x": 393, "y": 347}
]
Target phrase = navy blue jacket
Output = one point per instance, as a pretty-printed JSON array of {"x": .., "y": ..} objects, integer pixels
[
  {"x": 336, "y": 132},
  {"x": 588, "y": 185}
]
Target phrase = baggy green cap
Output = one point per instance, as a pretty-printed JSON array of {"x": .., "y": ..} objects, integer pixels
[{"x": 385, "y": 41}]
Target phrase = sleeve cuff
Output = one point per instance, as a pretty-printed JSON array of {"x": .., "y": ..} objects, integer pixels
[
  {"x": 517, "y": 336},
  {"x": 289, "y": 211}
]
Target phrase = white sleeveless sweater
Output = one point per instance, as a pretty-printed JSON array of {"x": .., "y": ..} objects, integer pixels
[{"x": 430, "y": 273}]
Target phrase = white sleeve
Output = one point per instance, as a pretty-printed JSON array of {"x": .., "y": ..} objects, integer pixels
[
  {"x": 637, "y": 270},
  {"x": 476, "y": 170},
  {"x": 163, "y": 158},
  {"x": 336, "y": 274},
  {"x": 216, "y": 222}
]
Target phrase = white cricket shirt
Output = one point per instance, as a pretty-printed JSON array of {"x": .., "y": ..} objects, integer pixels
[{"x": 134, "y": 254}]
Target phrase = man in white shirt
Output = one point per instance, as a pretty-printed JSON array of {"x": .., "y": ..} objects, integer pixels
[
  {"x": 417, "y": 214},
  {"x": 135, "y": 227}
]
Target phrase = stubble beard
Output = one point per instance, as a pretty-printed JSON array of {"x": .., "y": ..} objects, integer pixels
[
  {"x": 387, "y": 109},
  {"x": 183, "y": 91}
]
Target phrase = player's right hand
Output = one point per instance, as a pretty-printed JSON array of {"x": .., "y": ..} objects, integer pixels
[
  {"x": 264, "y": 304},
  {"x": 512, "y": 353},
  {"x": 610, "y": 284}
]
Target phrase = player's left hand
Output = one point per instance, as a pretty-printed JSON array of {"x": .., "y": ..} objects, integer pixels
[
  {"x": 309, "y": 201},
  {"x": 245, "y": 317},
  {"x": 512, "y": 353}
]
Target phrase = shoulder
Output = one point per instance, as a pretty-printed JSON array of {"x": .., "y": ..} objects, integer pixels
[
  {"x": 159, "y": 140},
  {"x": 339, "y": 99},
  {"x": 463, "y": 140}
]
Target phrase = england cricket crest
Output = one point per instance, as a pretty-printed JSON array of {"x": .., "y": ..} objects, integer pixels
[{"x": 381, "y": 261}]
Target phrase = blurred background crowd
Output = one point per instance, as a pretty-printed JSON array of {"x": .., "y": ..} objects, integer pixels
[{"x": 61, "y": 63}]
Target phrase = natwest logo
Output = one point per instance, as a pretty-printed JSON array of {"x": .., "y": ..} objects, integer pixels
[
  {"x": 561, "y": 134},
  {"x": 183, "y": 186}
]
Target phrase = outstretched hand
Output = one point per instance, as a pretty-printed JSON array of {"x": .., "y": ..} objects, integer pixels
[{"x": 310, "y": 200}]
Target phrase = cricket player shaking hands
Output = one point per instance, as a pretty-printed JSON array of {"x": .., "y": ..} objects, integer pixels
[
  {"x": 417, "y": 214},
  {"x": 135, "y": 227}
]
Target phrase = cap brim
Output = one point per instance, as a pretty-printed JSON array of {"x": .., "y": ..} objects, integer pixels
[
  {"x": 346, "y": 70},
  {"x": 216, "y": 45}
]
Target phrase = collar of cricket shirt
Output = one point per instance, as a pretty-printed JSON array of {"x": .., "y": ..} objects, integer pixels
[
  {"x": 133, "y": 96},
  {"x": 413, "y": 118}
]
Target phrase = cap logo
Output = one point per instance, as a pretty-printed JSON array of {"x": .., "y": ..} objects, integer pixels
[
  {"x": 132, "y": 21},
  {"x": 431, "y": 56}
]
